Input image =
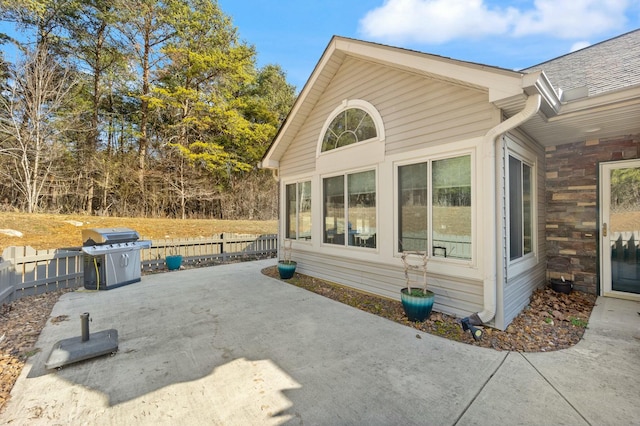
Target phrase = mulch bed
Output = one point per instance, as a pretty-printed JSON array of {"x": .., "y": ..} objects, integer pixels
[
  {"x": 21, "y": 322},
  {"x": 550, "y": 322}
]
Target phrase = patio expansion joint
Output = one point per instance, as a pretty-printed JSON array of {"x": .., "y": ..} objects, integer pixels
[
  {"x": 523, "y": 355},
  {"x": 484, "y": 385}
]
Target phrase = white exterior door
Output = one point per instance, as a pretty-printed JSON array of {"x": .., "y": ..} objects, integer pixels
[{"x": 620, "y": 229}]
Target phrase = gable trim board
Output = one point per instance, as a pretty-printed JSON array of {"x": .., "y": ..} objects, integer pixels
[{"x": 430, "y": 107}]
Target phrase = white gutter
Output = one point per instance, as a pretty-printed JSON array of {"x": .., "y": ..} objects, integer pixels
[{"x": 492, "y": 218}]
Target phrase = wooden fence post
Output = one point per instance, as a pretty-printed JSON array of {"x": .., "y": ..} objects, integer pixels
[{"x": 7, "y": 278}]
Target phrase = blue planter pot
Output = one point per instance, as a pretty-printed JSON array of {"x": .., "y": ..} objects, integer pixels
[
  {"x": 173, "y": 262},
  {"x": 417, "y": 307},
  {"x": 286, "y": 269}
]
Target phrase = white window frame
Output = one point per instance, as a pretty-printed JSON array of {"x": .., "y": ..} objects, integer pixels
[
  {"x": 285, "y": 200},
  {"x": 474, "y": 203},
  {"x": 345, "y": 105},
  {"x": 528, "y": 260},
  {"x": 355, "y": 155},
  {"x": 346, "y": 174}
]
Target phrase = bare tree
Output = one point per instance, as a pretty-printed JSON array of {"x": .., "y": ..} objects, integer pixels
[{"x": 31, "y": 128}]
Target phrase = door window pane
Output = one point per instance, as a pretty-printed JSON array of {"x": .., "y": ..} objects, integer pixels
[{"x": 624, "y": 228}]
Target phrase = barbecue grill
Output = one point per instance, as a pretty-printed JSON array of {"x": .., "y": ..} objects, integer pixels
[{"x": 112, "y": 257}]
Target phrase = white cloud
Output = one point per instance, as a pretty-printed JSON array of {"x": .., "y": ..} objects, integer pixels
[
  {"x": 440, "y": 21},
  {"x": 579, "y": 45},
  {"x": 434, "y": 21},
  {"x": 571, "y": 19}
]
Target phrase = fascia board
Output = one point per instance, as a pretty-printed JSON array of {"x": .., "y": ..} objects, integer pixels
[
  {"x": 606, "y": 101},
  {"x": 271, "y": 157},
  {"x": 269, "y": 164}
]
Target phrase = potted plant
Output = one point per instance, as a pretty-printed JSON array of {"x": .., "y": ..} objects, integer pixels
[
  {"x": 173, "y": 260},
  {"x": 417, "y": 302},
  {"x": 286, "y": 266}
]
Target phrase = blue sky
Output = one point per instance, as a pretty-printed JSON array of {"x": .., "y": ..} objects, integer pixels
[{"x": 512, "y": 34}]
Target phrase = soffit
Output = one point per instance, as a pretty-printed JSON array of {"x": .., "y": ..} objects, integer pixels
[{"x": 603, "y": 116}]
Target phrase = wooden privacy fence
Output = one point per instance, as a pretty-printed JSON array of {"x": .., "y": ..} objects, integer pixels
[
  {"x": 207, "y": 251},
  {"x": 25, "y": 271}
]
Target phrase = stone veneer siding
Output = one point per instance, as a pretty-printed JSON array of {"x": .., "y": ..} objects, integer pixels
[{"x": 572, "y": 206}]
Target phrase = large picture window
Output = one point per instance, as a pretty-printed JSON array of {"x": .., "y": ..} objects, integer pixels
[
  {"x": 435, "y": 207},
  {"x": 298, "y": 206},
  {"x": 350, "y": 217},
  {"x": 520, "y": 208}
]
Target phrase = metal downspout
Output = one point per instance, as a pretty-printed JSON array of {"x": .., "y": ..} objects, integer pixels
[{"x": 492, "y": 218}]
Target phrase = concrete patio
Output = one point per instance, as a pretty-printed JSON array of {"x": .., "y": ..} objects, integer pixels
[{"x": 226, "y": 345}]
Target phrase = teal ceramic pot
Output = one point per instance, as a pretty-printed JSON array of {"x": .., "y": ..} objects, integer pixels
[
  {"x": 417, "y": 308},
  {"x": 173, "y": 262},
  {"x": 286, "y": 269}
]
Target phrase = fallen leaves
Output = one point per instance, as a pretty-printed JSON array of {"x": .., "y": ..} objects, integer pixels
[
  {"x": 59, "y": 318},
  {"x": 21, "y": 322},
  {"x": 550, "y": 322}
]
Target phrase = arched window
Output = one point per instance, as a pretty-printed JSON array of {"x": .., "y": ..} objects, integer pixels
[
  {"x": 352, "y": 122},
  {"x": 350, "y": 126}
]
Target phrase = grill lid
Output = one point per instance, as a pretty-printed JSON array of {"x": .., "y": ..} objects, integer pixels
[{"x": 96, "y": 236}]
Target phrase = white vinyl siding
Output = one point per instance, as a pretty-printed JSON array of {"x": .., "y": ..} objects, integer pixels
[
  {"x": 454, "y": 295},
  {"x": 417, "y": 111},
  {"x": 519, "y": 283},
  {"x": 423, "y": 119}
]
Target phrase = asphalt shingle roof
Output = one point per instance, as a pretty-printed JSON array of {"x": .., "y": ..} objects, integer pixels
[{"x": 610, "y": 65}]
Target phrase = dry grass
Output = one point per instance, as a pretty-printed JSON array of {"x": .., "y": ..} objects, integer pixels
[
  {"x": 624, "y": 221},
  {"x": 49, "y": 231}
]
